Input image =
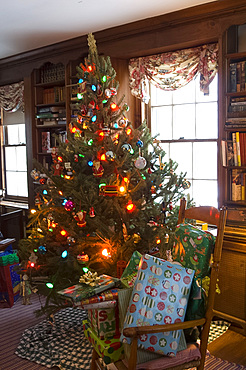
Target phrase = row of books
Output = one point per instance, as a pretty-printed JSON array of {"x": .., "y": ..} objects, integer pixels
[
  {"x": 54, "y": 95},
  {"x": 235, "y": 123},
  {"x": 52, "y": 72},
  {"x": 234, "y": 151},
  {"x": 237, "y": 76},
  {"x": 238, "y": 188}
]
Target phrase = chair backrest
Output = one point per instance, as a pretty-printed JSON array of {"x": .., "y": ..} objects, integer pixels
[{"x": 215, "y": 217}]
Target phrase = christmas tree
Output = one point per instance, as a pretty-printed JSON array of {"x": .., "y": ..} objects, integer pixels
[{"x": 108, "y": 193}]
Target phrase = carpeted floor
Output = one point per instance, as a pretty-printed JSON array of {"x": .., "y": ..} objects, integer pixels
[{"x": 64, "y": 347}]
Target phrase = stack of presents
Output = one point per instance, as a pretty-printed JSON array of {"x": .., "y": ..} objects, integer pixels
[
  {"x": 151, "y": 291},
  {"x": 9, "y": 278}
]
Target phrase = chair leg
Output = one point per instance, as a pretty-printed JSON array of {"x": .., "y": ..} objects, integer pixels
[{"x": 93, "y": 359}]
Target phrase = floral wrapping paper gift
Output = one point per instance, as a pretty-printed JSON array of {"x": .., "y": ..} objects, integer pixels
[{"x": 159, "y": 296}]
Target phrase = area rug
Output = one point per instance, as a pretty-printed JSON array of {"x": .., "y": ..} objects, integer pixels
[
  {"x": 62, "y": 343},
  {"x": 58, "y": 343}
]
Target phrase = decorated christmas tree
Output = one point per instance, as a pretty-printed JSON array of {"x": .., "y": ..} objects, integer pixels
[{"x": 108, "y": 193}]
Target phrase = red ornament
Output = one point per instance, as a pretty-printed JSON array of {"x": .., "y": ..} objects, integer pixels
[
  {"x": 80, "y": 218},
  {"x": 69, "y": 205},
  {"x": 92, "y": 212},
  {"x": 97, "y": 169}
]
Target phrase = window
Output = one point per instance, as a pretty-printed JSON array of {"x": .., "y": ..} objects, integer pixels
[
  {"x": 187, "y": 121},
  {"x": 14, "y": 161}
]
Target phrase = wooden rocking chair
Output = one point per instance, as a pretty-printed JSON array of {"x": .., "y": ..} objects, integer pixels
[{"x": 211, "y": 216}]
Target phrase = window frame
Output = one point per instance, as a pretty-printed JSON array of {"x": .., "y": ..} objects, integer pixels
[
  {"x": 3, "y": 180},
  {"x": 146, "y": 113}
]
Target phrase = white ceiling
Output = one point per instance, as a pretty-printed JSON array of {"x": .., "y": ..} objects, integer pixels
[{"x": 30, "y": 24}]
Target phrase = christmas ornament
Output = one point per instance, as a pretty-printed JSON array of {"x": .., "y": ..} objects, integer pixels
[
  {"x": 107, "y": 93},
  {"x": 69, "y": 205},
  {"x": 92, "y": 212},
  {"x": 42, "y": 249},
  {"x": 171, "y": 206},
  {"x": 110, "y": 155},
  {"x": 113, "y": 91},
  {"x": 80, "y": 218},
  {"x": 70, "y": 240},
  {"x": 152, "y": 222},
  {"x": 122, "y": 122},
  {"x": 126, "y": 147},
  {"x": 139, "y": 144},
  {"x": 58, "y": 169},
  {"x": 140, "y": 163},
  {"x": 108, "y": 190},
  {"x": 136, "y": 238},
  {"x": 97, "y": 169},
  {"x": 33, "y": 259},
  {"x": 35, "y": 174},
  {"x": 82, "y": 258},
  {"x": 153, "y": 189},
  {"x": 186, "y": 184}
]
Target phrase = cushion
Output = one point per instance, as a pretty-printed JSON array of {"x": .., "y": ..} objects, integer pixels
[{"x": 191, "y": 353}]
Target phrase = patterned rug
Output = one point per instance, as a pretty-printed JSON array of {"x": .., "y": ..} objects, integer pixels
[
  {"x": 214, "y": 363},
  {"x": 62, "y": 342}
]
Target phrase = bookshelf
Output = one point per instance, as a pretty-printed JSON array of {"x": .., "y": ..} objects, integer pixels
[
  {"x": 233, "y": 147},
  {"x": 50, "y": 110}
]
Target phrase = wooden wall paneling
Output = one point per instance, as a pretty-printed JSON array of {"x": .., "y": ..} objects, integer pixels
[{"x": 30, "y": 130}]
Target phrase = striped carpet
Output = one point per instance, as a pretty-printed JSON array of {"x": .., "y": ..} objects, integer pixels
[
  {"x": 213, "y": 363},
  {"x": 14, "y": 320}
]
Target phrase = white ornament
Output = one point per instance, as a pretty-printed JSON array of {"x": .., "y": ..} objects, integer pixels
[{"x": 140, "y": 163}]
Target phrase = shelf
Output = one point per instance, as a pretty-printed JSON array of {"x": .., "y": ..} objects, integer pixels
[
  {"x": 57, "y": 126},
  {"x": 236, "y": 203},
  {"x": 235, "y": 167},
  {"x": 51, "y": 84},
  {"x": 56, "y": 104},
  {"x": 236, "y": 94}
]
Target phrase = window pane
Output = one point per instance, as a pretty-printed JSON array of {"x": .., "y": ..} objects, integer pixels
[
  {"x": 12, "y": 135},
  {"x": 10, "y": 159},
  {"x": 21, "y": 158},
  {"x": 204, "y": 193},
  {"x": 205, "y": 160},
  {"x": 22, "y": 134},
  {"x": 182, "y": 154},
  {"x": 161, "y": 122},
  {"x": 16, "y": 183},
  {"x": 184, "y": 121},
  {"x": 159, "y": 96},
  {"x": 207, "y": 120},
  {"x": 185, "y": 94}
]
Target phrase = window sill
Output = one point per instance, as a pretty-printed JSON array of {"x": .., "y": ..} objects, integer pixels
[{"x": 13, "y": 204}]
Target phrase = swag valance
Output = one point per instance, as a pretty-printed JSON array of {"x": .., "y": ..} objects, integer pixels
[
  {"x": 12, "y": 96},
  {"x": 172, "y": 70}
]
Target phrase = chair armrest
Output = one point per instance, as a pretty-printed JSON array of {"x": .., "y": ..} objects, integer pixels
[{"x": 139, "y": 330}]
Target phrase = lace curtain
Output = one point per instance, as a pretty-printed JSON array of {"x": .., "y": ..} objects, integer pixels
[
  {"x": 12, "y": 96},
  {"x": 172, "y": 70}
]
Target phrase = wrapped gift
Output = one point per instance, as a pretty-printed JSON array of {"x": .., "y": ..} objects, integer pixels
[
  {"x": 192, "y": 248},
  {"x": 160, "y": 295},
  {"x": 108, "y": 295},
  {"x": 79, "y": 291},
  {"x": 110, "y": 350},
  {"x": 104, "y": 322},
  {"x": 9, "y": 279},
  {"x": 130, "y": 273}
]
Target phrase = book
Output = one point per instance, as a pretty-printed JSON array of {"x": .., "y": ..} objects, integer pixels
[
  {"x": 227, "y": 153},
  {"x": 236, "y": 185},
  {"x": 233, "y": 77},
  {"x": 238, "y": 149},
  {"x": 234, "y": 143}
]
